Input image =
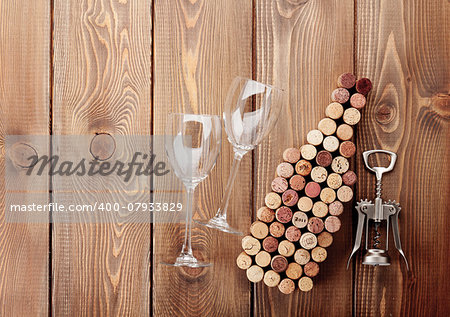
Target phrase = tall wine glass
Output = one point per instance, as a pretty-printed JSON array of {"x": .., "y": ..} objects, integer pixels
[
  {"x": 251, "y": 111},
  {"x": 192, "y": 144}
]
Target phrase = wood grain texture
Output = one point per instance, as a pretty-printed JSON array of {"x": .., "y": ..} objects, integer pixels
[
  {"x": 102, "y": 84},
  {"x": 24, "y": 109},
  {"x": 200, "y": 46},
  {"x": 402, "y": 46},
  {"x": 303, "y": 48},
  {"x": 103, "y": 62}
]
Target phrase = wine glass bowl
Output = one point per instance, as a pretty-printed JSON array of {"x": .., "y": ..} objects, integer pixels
[
  {"x": 192, "y": 144},
  {"x": 251, "y": 111}
]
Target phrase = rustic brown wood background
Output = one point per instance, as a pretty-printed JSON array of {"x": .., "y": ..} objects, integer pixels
[{"x": 119, "y": 66}]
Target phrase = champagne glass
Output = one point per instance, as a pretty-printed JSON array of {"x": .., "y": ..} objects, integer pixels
[
  {"x": 192, "y": 144},
  {"x": 251, "y": 111}
]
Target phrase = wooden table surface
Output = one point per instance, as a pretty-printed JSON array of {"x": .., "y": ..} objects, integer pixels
[{"x": 119, "y": 67}]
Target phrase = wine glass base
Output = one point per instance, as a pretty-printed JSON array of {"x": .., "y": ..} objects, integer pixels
[
  {"x": 187, "y": 260},
  {"x": 221, "y": 224}
]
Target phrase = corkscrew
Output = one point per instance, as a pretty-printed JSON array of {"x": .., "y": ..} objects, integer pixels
[{"x": 377, "y": 212}]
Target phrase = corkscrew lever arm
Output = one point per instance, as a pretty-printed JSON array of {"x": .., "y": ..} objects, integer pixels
[
  {"x": 396, "y": 235},
  {"x": 359, "y": 231}
]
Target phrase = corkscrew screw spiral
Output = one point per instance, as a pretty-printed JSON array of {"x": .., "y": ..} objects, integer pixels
[
  {"x": 376, "y": 238},
  {"x": 378, "y": 189}
]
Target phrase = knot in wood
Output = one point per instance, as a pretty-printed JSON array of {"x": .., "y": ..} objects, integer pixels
[
  {"x": 385, "y": 113},
  {"x": 102, "y": 146},
  {"x": 21, "y": 154},
  {"x": 192, "y": 274},
  {"x": 297, "y": 2}
]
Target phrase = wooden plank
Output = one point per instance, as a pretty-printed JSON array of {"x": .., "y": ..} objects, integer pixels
[
  {"x": 102, "y": 84},
  {"x": 303, "y": 48},
  {"x": 199, "y": 47},
  {"x": 403, "y": 47},
  {"x": 24, "y": 106}
]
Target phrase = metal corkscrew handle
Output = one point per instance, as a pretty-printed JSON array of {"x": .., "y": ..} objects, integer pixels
[{"x": 379, "y": 170}]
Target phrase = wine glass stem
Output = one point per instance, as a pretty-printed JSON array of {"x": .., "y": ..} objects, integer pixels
[
  {"x": 187, "y": 245},
  {"x": 222, "y": 212}
]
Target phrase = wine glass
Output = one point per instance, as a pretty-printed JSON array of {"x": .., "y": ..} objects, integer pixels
[
  {"x": 251, "y": 111},
  {"x": 192, "y": 144}
]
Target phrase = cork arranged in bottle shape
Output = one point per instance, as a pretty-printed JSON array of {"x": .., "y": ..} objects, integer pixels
[{"x": 288, "y": 242}]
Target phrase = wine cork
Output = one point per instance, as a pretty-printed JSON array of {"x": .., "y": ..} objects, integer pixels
[
  {"x": 243, "y": 261},
  {"x": 344, "y": 132},
  {"x": 285, "y": 170},
  {"x": 334, "y": 181},
  {"x": 358, "y": 101},
  {"x": 297, "y": 182},
  {"x": 308, "y": 240},
  {"x": 327, "y": 195},
  {"x": 331, "y": 143},
  {"x": 302, "y": 256},
  {"x": 279, "y": 263},
  {"x": 347, "y": 149},
  {"x": 265, "y": 214},
  {"x": 293, "y": 234},
  {"x": 286, "y": 286},
  {"x": 300, "y": 219},
  {"x": 334, "y": 110},
  {"x": 319, "y": 254},
  {"x": 286, "y": 248},
  {"x": 324, "y": 158},
  {"x": 346, "y": 80},
  {"x": 305, "y": 284},
  {"x": 340, "y": 165},
  {"x": 314, "y": 137},
  {"x": 276, "y": 229},
  {"x": 270, "y": 244},
  {"x": 319, "y": 174},
  {"x": 315, "y": 225},
  {"x": 250, "y": 245},
  {"x": 303, "y": 167},
  {"x": 283, "y": 214},
  {"x": 351, "y": 116},
  {"x": 259, "y": 230},
  {"x": 279, "y": 185},
  {"x": 311, "y": 269},
  {"x": 312, "y": 190},
  {"x": 271, "y": 278},
  {"x": 340, "y": 95},
  {"x": 294, "y": 271},
  {"x": 332, "y": 224},
  {"x": 363, "y": 86},
  {"x": 308, "y": 152},
  {"x": 255, "y": 274},
  {"x": 320, "y": 209},
  {"x": 290, "y": 197},
  {"x": 336, "y": 208},
  {"x": 291, "y": 155},
  {"x": 263, "y": 258},
  {"x": 305, "y": 204},
  {"x": 349, "y": 178},
  {"x": 345, "y": 194},
  {"x": 273, "y": 200},
  {"x": 327, "y": 126},
  {"x": 325, "y": 239}
]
